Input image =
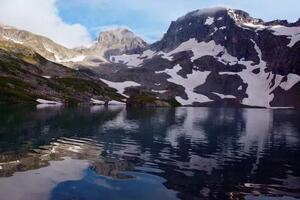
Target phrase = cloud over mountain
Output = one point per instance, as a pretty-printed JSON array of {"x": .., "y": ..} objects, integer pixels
[{"x": 43, "y": 18}]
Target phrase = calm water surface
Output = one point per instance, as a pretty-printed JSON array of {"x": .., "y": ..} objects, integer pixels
[{"x": 116, "y": 153}]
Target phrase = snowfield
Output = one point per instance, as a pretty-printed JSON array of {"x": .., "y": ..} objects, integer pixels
[
  {"x": 121, "y": 86},
  {"x": 259, "y": 88},
  {"x": 97, "y": 102},
  {"x": 292, "y": 79},
  {"x": 293, "y": 33},
  {"x": 43, "y": 101},
  {"x": 79, "y": 58},
  {"x": 133, "y": 60},
  {"x": 193, "y": 80},
  {"x": 209, "y": 21}
]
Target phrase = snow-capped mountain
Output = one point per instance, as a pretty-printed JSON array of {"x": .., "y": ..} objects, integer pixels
[
  {"x": 214, "y": 56},
  {"x": 217, "y": 56}
]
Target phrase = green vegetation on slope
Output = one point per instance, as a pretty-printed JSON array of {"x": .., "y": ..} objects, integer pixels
[
  {"x": 13, "y": 90},
  {"x": 88, "y": 86}
]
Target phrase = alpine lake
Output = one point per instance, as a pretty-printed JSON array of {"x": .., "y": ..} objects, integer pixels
[{"x": 119, "y": 153}]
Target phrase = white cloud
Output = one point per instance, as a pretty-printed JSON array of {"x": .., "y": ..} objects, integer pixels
[{"x": 41, "y": 17}]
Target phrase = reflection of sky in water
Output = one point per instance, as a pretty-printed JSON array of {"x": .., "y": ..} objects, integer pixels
[
  {"x": 38, "y": 184},
  {"x": 197, "y": 152},
  {"x": 92, "y": 187}
]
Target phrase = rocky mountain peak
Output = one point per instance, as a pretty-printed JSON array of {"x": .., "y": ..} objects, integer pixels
[
  {"x": 242, "y": 17},
  {"x": 117, "y": 35},
  {"x": 219, "y": 24},
  {"x": 199, "y": 24},
  {"x": 120, "y": 39}
]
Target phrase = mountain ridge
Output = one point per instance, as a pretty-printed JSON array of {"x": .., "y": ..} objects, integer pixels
[{"x": 216, "y": 56}]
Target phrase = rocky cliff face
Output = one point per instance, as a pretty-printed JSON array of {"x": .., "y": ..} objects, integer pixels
[{"x": 119, "y": 39}]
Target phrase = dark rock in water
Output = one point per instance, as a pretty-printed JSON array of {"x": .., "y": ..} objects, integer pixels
[{"x": 145, "y": 100}]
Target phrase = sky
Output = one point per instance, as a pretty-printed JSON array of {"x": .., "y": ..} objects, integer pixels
[{"x": 74, "y": 23}]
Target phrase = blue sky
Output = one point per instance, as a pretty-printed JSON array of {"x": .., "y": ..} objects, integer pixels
[
  {"x": 74, "y": 23},
  {"x": 151, "y": 18}
]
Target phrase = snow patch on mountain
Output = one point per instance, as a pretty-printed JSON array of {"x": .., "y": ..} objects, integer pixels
[
  {"x": 199, "y": 49},
  {"x": 223, "y": 96},
  {"x": 97, "y": 102},
  {"x": 190, "y": 83},
  {"x": 78, "y": 58},
  {"x": 253, "y": 25},
  {"x": 44, "y": 101},
  {"x": 160, "y": 91},
  {"x": 293, "y": 33},
  {"x": 133, "y": 60},
  {"x": 121, "y": 86},
  {"x": 209, "y": 21},
  {"x": 292, "y": 79},
  {"x": 259, "y": 85}
]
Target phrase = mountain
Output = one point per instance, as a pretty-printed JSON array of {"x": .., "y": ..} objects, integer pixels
[
  {"x": 26, "y": 76},
  {"x": 42, "y": 45},
  {"x": 209, "y": 57},
  {"x": 216, "y": 56},
  {"x": 111, "y": 42},
  {"x": 119, "y": 39},
  {"x": 115, "y": 40}
]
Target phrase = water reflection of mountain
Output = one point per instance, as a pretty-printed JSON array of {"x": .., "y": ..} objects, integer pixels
[{"x": 200, "y": 152}]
